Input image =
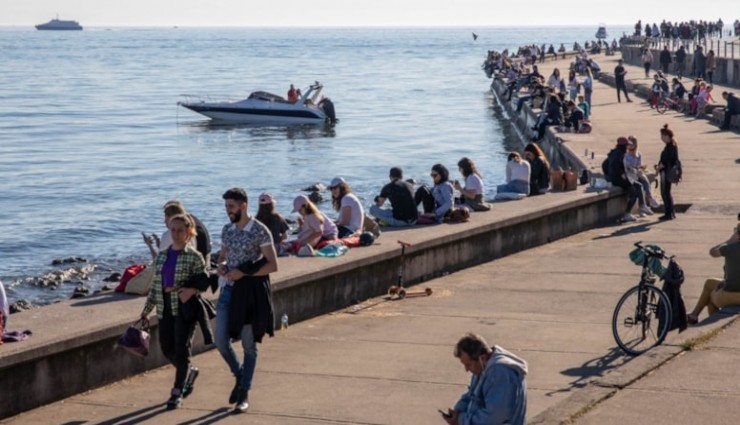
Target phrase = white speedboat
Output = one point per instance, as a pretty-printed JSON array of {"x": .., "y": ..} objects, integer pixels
[
  {"x": 267, "y": 108},
  {"x": 59, "y": 25}
]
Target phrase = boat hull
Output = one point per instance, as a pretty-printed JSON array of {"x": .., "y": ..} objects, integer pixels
[{"x": 236, "y": 114}]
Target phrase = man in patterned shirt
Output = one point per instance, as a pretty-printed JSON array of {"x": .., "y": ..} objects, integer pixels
[{"x": 244, "y": 309}]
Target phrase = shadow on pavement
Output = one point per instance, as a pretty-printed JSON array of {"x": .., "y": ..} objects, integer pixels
[
  {"x": 594, "y": 368},
  {"x": 136, "y": 417},
  {"x": 210, "y": 418}
]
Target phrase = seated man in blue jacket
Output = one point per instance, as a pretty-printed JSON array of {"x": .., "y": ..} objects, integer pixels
[{"x": 497, "y": 393}]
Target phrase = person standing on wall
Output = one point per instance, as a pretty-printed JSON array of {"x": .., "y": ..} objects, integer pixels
[{"x": 244, "y": 309}]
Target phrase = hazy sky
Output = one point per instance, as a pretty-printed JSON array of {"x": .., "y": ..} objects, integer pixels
[{"x": 356, "y": 12}]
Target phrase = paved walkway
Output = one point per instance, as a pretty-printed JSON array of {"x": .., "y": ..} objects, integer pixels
[{"x": 390, "y": 362}]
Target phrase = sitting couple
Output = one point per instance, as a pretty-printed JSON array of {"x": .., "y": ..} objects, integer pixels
[{"x": 525, "y": 176}]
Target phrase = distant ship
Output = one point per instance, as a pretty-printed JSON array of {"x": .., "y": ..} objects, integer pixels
[
  {"x": 601, "y": 32},
  {"x": 57, "y": 25}
]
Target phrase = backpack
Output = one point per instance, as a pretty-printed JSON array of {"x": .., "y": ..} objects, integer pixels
[
  {"x": 606, "y": 165},
  {"x": 675, "y": 173}
]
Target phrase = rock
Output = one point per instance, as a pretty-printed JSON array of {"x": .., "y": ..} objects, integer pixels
[
  {"x": 315, "y": 197},
  {"x": 57, "y": 277},
  {"x": 80, "y": 291},
  {"x": 108, "y": 288},
  {"x": 114, "y": 277},
  {"x": 20, "y": 305},
  {"x": 316, "y": 187},
  {"x": 69, "y": 260}
]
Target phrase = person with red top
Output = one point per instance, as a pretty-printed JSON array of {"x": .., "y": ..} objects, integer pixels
[{"x": 292, "y": 94}]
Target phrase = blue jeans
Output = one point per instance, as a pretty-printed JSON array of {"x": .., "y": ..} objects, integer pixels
[
  {"x": 387, "y": 216},
  {"x": 515, "y": 186},
  {"x": 245, "y": 371}
]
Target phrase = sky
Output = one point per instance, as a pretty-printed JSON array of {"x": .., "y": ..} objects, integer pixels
[{"x": 250, "y": 13}]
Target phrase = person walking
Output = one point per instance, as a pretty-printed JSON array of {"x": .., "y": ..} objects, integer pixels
[
  {"x": 175, "y": 268},
  {"x": 647, "y": 61},
  {"x": 497, "y": 393},
  {"x": 668, "y": 160},
  {"x": 665, "y": 59},
  {"x": 244, "y": 309},
  {"x": 680, "y": 61},
  {"x": 619, "y": 73}
]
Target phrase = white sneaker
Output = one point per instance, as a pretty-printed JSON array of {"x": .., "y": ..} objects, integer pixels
[
  {"x": 654, "y": 203},
  {"x": 645, "y": 210},
  {"x": 628, "y": 217}
]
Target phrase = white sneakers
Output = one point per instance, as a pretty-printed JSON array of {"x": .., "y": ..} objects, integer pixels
[
  {"x": 628, "y": 217},
  {"x": 645, "y": 210}
]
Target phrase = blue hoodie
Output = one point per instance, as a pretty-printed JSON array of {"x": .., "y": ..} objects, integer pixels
[{"x": 498, "y": 396}]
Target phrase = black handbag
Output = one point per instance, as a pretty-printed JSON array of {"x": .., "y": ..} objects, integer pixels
[{"x": 136, "y": 338}]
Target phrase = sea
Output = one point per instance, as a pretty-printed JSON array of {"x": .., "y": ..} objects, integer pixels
[{"x": 92, "y": 142}]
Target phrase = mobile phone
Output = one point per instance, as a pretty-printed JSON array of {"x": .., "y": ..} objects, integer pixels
[{"x": 444, "y": 414}]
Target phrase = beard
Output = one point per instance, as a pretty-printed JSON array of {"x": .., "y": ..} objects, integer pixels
[{"x": 235, "y": 217}]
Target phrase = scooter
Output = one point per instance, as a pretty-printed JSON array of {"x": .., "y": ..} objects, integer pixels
[{"x": 398, "y": 291}]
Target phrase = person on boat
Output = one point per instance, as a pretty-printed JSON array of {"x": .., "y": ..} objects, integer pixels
[
  {"x": 351, "y": 213},
  {"x": 292, "y": 94}
]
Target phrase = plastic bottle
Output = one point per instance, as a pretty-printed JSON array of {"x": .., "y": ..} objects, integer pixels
[{"x": 284, "y": 322}]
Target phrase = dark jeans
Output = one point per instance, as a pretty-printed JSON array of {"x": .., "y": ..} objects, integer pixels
[
  {"x": 175, "y": 340},
  {"x": 343, "y": 232},
  {"x": 665, "y": 193},
  {"x": 634, "y": 194},
  {"x": 622, "y": 87},
  {"x": 424, "y": 196}
]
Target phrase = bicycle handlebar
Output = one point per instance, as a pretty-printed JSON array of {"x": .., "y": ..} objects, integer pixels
[{"x": 651, "y": 251}]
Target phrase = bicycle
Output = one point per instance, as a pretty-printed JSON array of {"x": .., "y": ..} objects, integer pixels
[
  {"x": 643, "y": 314},
  {"x": 665, "y": 103}
]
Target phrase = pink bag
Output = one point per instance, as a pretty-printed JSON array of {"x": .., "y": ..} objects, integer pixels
[{"x": 136, "y": 338}]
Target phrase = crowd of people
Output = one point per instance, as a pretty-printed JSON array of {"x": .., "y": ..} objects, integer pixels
[{"x": 685, "y": 30}]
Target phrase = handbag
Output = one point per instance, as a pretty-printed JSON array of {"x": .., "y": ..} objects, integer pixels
[
  {"x": 136, "y": 338},
  {"x": 141, "y": 283}
]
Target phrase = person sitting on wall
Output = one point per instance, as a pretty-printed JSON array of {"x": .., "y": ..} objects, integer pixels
[{"x": 400, "y": 193}]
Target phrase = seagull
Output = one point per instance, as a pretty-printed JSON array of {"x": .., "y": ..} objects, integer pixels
[{"x": 475, "y": 36}]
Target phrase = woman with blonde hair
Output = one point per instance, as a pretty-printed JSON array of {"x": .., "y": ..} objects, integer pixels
[
  {"x": 175, "y": 268},
  {"x": 314, "y": 225}
]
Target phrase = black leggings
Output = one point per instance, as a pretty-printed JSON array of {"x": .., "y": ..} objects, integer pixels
[
  {"x": 665, "y": 193},
  {"x": 176, "y": 340}
]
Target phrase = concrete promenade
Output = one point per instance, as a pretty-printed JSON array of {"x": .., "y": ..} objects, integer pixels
[{"x": 390, "y": 362}]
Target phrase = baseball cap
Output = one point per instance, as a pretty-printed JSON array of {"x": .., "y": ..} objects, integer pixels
[
  {"x": 623, "y": 141},
  {"x": 298, "y": 202},
  {"x": 266, "y": 198},
  {"x": 336, "y": 181}
]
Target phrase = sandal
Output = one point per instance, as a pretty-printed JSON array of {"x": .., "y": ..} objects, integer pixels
[{"x": 692, "y": 319}]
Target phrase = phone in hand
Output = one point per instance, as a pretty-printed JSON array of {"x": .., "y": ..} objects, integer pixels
[{"x": 444, "y": 414}]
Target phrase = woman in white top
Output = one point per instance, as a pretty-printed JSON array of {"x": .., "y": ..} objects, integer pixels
[
  {"x": 351, "y": 213},
  {"x": 555, "y": 80},
  {"x": 517, "y": 176},
  {"x": 472, "y": 192}
]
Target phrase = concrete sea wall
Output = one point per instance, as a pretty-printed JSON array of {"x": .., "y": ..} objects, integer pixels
[{"x": 73, "y": 346}]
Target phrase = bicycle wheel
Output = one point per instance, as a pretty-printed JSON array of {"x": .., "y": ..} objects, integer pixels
[
  {"x": 641, "y": 319},
  {"x": 661, "y": 107}
]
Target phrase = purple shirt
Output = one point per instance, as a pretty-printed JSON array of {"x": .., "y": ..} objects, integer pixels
[{"x": 168, "y": 268}]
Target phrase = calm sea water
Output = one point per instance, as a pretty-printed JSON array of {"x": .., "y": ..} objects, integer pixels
[{"x": 92, "y": 143}]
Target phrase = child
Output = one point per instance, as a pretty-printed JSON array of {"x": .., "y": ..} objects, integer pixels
[{"x": 585, "y": 107}]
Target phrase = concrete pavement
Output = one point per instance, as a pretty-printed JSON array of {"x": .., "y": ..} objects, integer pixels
[{"x": 390, "y": 362}]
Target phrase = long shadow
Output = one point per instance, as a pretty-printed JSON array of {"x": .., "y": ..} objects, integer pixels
[
  {"x": 102, "y": 298},
  {"x": 210, "y": 418},
  {"x": 622, "y": 231},
  {"x": 594, "y": 368},
  {"x": 137, "y": 416}
]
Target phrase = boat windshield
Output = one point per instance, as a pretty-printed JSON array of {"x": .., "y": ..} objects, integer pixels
[{"x": 263, "y": 95}]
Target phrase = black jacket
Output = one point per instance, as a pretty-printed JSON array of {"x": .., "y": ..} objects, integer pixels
[{"x": 251, "y": 303}]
